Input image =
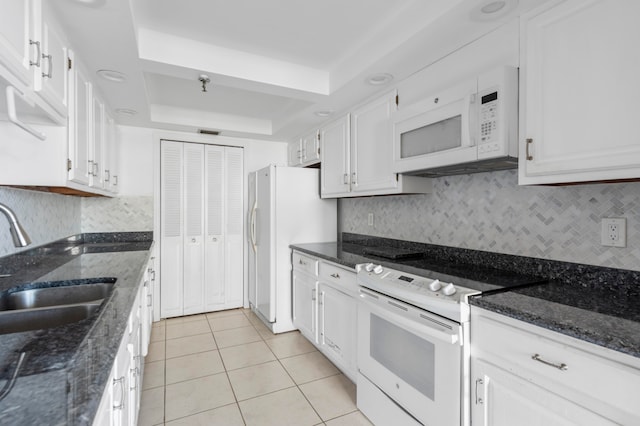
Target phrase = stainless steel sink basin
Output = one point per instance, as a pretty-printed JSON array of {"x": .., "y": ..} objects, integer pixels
[
  {"x": 54, "y": 296},
  {"x": 15, "y": 321}
]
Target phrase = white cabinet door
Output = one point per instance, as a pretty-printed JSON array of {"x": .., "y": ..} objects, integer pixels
[
  {"x": 80, "y": 132},
  {"x": 504, "y": 399},
  {"x": 18, "y": 50},
  {"x": 171, "y": 229},
  {"x": 304, "y": 304},
  {"x": 193, "y": 229},
  {"x": 97, "y": 151},
  {"x": 52, "y": 80},
  {"x": 335, "y": 174},
  {"x": 111, "y": 160},
  {"x": 294, "y": 153},
  {"x": 310, "y": 147},
  {"x": 371, "y": 146},
  {"x": 337, "y": 327},
  {"x": 579, "y": 92}
]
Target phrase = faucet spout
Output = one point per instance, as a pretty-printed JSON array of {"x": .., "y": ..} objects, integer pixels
[{"x": 19, "y": 235}]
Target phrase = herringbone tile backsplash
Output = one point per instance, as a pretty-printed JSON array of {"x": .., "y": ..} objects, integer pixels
[{"x": 489, "y": 211}]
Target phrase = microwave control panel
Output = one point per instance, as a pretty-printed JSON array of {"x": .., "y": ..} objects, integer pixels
[{"x": 489, "y": 121}]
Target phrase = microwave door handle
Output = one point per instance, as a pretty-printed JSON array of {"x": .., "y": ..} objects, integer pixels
[{"x": 469, "y": 120}]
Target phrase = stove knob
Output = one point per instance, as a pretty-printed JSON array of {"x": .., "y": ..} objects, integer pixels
[
  {"x": 378, "y": 270},
  {"x": 449, "y": 289},
  {"x": 435, "y": 285},
  {"x": 369, "y": 267}
]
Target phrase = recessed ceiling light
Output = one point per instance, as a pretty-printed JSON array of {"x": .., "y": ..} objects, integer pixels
[
  {"x": 126, "y": 111},
  {"x": 324, "y": 113},
  {"x": 379, "y": 79},
  {"x": 493, "y": 9},
  {"x": 111, "y": 75}
]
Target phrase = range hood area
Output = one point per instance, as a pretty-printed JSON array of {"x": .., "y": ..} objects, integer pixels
[{"x": 480, "y": 166}]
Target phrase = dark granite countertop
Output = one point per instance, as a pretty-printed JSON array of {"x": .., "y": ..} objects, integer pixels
[
  {"x": 66, "y": 368},
  {"x": 595, "y": 304}
]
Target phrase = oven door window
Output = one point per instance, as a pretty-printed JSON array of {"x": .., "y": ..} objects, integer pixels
[{"x": 406, "y": 355}]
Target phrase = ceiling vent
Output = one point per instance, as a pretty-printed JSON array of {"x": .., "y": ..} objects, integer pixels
[{"x": 208, "y": 132}]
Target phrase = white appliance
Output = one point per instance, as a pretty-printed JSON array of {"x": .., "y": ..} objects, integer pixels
[
  {"x": 413, "y": 349},
  {"x": 285, "y": 208},
  {"x": 471, "y": 127}
]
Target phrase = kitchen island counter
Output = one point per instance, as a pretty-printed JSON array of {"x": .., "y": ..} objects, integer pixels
[{"x": 65, "y": 368}]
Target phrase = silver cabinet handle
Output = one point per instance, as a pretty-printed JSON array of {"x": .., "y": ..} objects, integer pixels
[
  {"x": 345, "y": 179},
  {"x": 353, "y": 178},
  {"x": 478, "y": 398},
  {"x": 529, "y": 156},
  {"x": 336, "y": 275},
  {"x": 149, "y": 300},
  {"x": 49, "y": 59},
  {"x": 90, "y": 169},
  {"x": 107, "y": 176},
  {"x": 561, "y": 367},
  {"x": 153, "y": 275},
  {"x": 96, "y": 168},
  {"x": 313, "y": 294},
  {"x": 39, "y": 54},
  {"x": 115, "y": 180},
  {"x": 120, "y": 406}
]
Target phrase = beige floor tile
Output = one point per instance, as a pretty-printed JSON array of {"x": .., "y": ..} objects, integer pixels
[
  {"x": 229, "y": 322},
  {"x": 151, "y": 407},
  {"x": 158, "y": 334},
  {"x": 198, "y": 395},
  {"x": 156, "y": 352},
  {"x": 259, "y": 379},
  {"x": 285, "y": 407},
  {"x": 290, "y": 344},
  {"x": 225, "y": 313},
  {"x": 229, "y": 415},
  {"x": 353, "y": 419},
  {"x": 308, "y": 367},
  {"x": 153, "y": 375},
  {"x": 161, "y": 323},
  {"x": 264, "y": 331},
  {"x": 190, "y": 345},
  {"x": 185, "y": 319},
  {"x": 185, "y": 329},
  {"x": 253, "y": 317},
  {"x": 236, "y": 336},
  {"x": 246, "y": 355},
  {"x": 332, "y": 396},
  {"x": 193, "y": 366}
]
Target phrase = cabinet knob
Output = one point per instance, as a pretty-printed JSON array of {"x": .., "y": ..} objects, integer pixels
[{"x": 193, "y": 240}]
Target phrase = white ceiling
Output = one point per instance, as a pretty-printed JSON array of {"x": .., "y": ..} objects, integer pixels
[{"x": 272, "y": 63}]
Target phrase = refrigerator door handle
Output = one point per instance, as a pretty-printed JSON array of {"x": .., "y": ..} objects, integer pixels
[{"x": 254, "y": 226}]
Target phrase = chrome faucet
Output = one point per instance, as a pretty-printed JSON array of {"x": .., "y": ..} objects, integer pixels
[{"x": 20, "y": 237}]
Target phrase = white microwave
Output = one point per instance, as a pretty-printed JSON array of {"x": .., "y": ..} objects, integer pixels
[{"x": 467, "y": 128}]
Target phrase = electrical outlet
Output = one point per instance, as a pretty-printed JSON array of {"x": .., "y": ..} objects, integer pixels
[
  {"x": 370, "y": 219},
  {"x": 614, "y": 232}
]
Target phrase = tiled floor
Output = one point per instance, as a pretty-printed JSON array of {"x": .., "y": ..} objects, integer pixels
[{"x": 226, "y": 368}]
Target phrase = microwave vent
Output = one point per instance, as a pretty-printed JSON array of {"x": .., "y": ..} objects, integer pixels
[{"x": 481, "y": 166}]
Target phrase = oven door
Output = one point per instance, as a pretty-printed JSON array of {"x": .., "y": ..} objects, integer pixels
[
  {"x": 438, "y": 131},
  {"x": 413, "y": 356}
]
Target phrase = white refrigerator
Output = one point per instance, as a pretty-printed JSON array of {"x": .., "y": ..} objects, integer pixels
[{"x": 284, "y": 208}]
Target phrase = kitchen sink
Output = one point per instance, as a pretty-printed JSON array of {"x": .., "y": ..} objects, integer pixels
[
  {"x": 54, "y": 296},
  {"x": 16, "y": 321}
]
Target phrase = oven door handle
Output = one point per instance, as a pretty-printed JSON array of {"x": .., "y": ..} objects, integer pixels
[{"x": 391, "y": 310}]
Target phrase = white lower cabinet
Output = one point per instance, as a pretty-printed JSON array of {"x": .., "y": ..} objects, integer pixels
[
  {"x": 120, "y": 401},
  {"x": 324, "y": 309},
  {"x": 526, "y": 375}
]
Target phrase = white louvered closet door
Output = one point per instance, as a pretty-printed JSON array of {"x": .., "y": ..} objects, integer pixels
[
  {"x": 171, "y": 229},
  {"x": 193, "y": 228},
  {"x": 215, "y": 223},
  {"x": 234, "y": 265}
]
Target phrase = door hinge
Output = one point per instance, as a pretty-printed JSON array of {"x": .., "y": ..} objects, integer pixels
[
  {"x": 397, "y": 100},
  {"x": 69, "y": 63},
  {"x": 68, "y": 164}
]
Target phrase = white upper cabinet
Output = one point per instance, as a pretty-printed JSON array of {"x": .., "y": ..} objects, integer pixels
[
  {"x": 19, "y": 51},
  {"x": 80, "y": 164},
  {"x": 579, "y": 92},
  {"x": 334, "y": 153},
  {"x": 294, "y": 153},
  {"x": 357, "y": 154},
  {"x": 305, "y": 151}
]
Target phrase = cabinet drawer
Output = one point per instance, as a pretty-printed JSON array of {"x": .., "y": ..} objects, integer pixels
[
  {"x": 343, "y": 278},
  {"x": 305, "y": 263},
  {"x": 550, "y": 360}
]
